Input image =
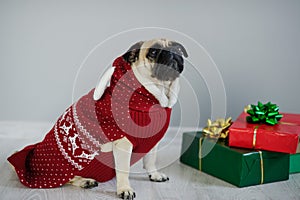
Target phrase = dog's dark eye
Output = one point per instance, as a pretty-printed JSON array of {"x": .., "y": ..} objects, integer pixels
[{"x": 152, "y": 53}]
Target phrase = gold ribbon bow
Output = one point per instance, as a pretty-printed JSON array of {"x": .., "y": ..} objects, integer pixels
[
  {"x": 218, "y": 128},
  {"x": 214, "y": 129}
]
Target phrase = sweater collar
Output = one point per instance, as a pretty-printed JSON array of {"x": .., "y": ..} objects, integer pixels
[{"x": 120, "y": 62}]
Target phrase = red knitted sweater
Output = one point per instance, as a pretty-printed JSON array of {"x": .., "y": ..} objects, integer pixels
[{"x": 72, "y": 147}]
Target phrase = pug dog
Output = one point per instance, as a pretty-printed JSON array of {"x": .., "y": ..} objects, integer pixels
[{"x": 119, "y": 122}]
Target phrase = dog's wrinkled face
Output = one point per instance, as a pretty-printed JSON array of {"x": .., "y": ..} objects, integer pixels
[{"x": 162, "y": 57}]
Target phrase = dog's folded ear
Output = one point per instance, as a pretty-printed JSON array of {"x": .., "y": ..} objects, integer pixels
[
  {"x": 133, "y": 52},
  {"x": 181, "y": 48}
]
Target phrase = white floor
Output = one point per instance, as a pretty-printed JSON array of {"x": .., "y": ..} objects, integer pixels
[{"x": 185, "y": 182}]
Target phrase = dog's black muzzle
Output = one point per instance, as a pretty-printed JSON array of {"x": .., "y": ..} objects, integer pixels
[{"x": 168, "y": 65}]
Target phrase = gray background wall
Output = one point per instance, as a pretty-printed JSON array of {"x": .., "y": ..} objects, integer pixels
[{"x": 255, "y": 45}]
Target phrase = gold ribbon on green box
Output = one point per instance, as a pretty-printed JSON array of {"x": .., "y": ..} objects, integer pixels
[
  {"x": 217, "y": 129},
  {"x": 220, "y": 129},
  {"x": 240, "y": 167},
  {"x": 260, "y": 156}
]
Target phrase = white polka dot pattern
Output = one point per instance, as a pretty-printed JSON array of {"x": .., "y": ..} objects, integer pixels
[{"x": 71, "y": 146}]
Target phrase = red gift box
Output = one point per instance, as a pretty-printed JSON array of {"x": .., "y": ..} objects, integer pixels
[{"x": 282, "y": 137}]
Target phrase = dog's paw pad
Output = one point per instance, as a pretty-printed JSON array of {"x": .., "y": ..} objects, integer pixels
[
  {"x": 126, "y": 193},
  {"x": 89, "y": 184},
  {"x": 158, "y": 177}
]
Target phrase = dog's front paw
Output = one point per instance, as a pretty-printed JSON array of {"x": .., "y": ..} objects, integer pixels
[
  {"x": 89, "y": 184},
  {"x": 85, "y": 183},
  {"x": 126, "y": 192},
  {"x": 158, "y": 177}
]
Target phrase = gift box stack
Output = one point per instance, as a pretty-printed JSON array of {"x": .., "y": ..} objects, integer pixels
[{"x": 260, "y": 146}]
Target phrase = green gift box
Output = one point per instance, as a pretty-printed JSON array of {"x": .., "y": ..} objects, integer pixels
[
  {"x": 295, "y": 161},
  {"x": 240, "y": 167}
]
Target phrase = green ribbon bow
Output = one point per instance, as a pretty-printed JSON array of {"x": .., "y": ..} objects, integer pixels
[{"x": 263, "y": 113}]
